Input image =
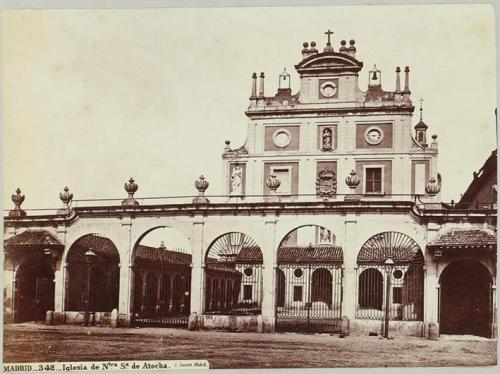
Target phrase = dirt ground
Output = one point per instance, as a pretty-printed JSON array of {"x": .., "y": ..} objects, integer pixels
[{"x": 40, "y": 343}]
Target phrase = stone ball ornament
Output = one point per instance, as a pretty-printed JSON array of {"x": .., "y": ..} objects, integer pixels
[{"x": 352, "y": 180}]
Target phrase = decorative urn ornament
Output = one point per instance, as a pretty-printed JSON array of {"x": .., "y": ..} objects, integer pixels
[
  {"x": 66, "y": 197},
  {"x": 433, "y": 187},
  {"x": 352, "y": 180},
  {"x": 17, "y": 199},
  {"x": 273, "y": 183},
  {"x": 131, "y": 188},
  {"x": 201, "y": 185}
]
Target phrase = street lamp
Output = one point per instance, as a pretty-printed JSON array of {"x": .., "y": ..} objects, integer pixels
[
  {"x": 389, "y": 262},
  {"x": 89, "y": 256}
]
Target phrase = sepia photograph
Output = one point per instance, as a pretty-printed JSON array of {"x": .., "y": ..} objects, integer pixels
[{"x": 249, "y": 187}]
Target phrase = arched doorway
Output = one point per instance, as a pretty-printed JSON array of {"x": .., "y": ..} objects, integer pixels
[
  {"x": 233, "y": 275},
  {"x": 34, "y": 290},
  {"x": 309, "y": 281},
  {"x": 390, "y": 278},
  {"x": 93, "y": 275},
  {"x": 465, "y": 299},
  {"x": 161, "y": 293}
]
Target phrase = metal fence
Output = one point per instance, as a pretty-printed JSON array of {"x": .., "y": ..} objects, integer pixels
[{"x": 309, "y": 297}]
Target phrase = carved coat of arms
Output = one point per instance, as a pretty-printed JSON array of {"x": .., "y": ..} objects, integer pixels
[{"x": 326, "y": 183}]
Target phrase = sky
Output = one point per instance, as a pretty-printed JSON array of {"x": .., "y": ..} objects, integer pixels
[{"x": 93, "y": 97}]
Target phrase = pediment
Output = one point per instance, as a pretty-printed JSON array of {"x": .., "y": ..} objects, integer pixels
[{"x": 329, "y": 62}]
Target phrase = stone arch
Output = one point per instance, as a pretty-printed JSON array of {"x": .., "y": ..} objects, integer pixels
[
  {"x": 34, "y": 290},
  {"x": 309, "y": 280},
  {"x": 92, "y": 274},
  {"x": 233, "y": 275},
  {"x": 466, "y": 298},
  {"x": 161, "y": 277},
  {"x": 390, "y": 278}
]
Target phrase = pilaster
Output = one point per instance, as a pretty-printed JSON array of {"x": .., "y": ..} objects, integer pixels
[
  {"x": 268, "y": 274},
  {"x": 197, "y": 284}
]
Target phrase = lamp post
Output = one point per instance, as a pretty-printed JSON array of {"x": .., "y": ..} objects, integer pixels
[
  {"x": 89, "y": 256},
  {"x": 389, "y": 262}
]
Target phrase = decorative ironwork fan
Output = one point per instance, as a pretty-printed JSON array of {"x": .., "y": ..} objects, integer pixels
[
  {"x": 390, "y": 245},
  {"x": 232, "y": 247},
  {"x": 103, "y": 248}
]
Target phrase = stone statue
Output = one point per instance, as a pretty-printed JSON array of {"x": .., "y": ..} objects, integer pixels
[
  {"x": 236, "y": 178},
  {"x": 324, "y": 236},
  {"x": 326, "y": 140}
]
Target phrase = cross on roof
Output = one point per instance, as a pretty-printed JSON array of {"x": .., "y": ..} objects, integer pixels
[
  {"x": 421, "y": 101},
  {"x": 328, "y": 33}
]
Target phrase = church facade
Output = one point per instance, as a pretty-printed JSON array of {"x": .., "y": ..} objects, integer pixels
[{"x": 332, "y": 222}]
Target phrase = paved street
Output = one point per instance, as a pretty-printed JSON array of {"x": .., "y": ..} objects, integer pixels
[{"x": 39, "y": 343}]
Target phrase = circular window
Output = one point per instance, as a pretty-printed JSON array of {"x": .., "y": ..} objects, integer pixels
[
  {"x": 328, "y": 89},
  {"x": 248, "y": 272},
  {"x": 298, "y": 272},
  {"x": 397, "y": 274},
  {"x": 374, "y": 135},
  {"x": 282, "y": 138}
]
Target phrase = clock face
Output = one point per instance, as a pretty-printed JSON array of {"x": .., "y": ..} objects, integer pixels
[
  {"x": 282, "y": 138},
  {"x": 328, "y": 89},
  {"x": 374, "y": 135}
]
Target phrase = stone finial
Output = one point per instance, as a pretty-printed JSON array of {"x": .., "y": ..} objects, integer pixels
[
  {"x": 433, "y": 187},
  {"x": 66, "y": 197},
  {"x": 352, "y": 180},
  {"x": 201, "y": 185},
  {"x": 254, "y": 87},
  {"x": 273, "y": 183},
  {"x": 261, "y": 85},
  {"x": 17, "y": 199},
  {"x": 407, "y": 80},
  {"x": 313, "y": 47},
  {"x": 227, "y": 148},
  {"x": 328, "y": 47},
  {"x": 131, "y": 188},
  {"x": 343, "y": 47},
  {"x": 398, "y": 80},
  {"x": 351, "y": 50}
]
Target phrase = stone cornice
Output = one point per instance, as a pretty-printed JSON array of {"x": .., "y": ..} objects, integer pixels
[
  {"x": 267, "y": 112},
  {"x": 419, "y": 214}
]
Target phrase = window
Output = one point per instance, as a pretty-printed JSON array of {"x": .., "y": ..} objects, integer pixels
[
  {"x": 371, "y": 289},
  {"x": 420, "y": 180},
  {"x": 373, "y": 180},
  {"x": 283, "y": 175},
  {"x": 297, "y": 293},
  {"x": 247, "y": 292},
  {"x": 397, "y": 295}
]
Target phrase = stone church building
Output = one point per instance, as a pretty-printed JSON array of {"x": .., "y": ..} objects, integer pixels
[{"x": 332, "y": 221}]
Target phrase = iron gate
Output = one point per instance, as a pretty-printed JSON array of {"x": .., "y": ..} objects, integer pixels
[
  {"x": 162, "y": 284},
  {"x": 309, "y": 297}
]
